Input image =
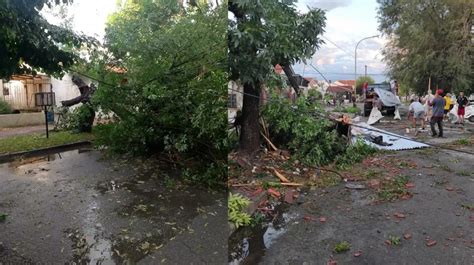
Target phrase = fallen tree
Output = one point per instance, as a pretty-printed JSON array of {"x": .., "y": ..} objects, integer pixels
[{"x": 86, "y": 112}]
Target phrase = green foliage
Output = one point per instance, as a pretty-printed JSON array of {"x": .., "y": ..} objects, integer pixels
[
  {"x": 394, "y": 189},
  {"x": 5, "y": 108},
  {"x": 311, "y": 138},
  {"x": 26, "y": 38},
  {"x": 362, "y": 79},
  {"x": 257, "y": 219},
  {"x": 236, "y": 205},
  {"x": 394, "y": 240},
  {"x": 3, "y": 217},
  {"x": 169, "y": 182},
  {"x": 429, "y": 39},
  {"x": 271, "y": 184},
  {"x": 462, "y": 141},
  {"x": 342, "y": 247},
  {"x": 211, "y": 174},
  {"x": 77, "y": 119},
  {"x": 355, "y": 153},
  {"x": 268, "y": 32},
  {"x": 349, "y": 109},
  {"x": 262, "y": 34},
  {"x": 173, "y": 95}
]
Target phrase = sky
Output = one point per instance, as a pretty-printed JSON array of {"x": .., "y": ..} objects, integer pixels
[
  {"x": 89, "y": 16},
  {"x": 347, "y": 22}
]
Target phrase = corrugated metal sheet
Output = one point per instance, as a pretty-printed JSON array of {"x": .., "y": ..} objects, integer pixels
[{"x": 398, "y": 142}]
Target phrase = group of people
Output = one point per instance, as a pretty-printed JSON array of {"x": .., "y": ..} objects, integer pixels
[{"x": 435, "y": 109}]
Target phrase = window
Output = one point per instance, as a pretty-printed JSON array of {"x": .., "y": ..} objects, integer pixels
[{"x": 232, "y": 103}]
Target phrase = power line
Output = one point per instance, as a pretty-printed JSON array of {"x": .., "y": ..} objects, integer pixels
[{"x": 342, "y": 49}]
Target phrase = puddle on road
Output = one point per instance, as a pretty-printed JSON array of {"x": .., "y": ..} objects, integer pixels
[
  {"x": 248, "y": 244},
  {"x": 157, "y": 205}
]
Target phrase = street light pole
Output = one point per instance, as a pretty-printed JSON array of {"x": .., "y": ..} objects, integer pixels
[{"x": 355, "y": 56}]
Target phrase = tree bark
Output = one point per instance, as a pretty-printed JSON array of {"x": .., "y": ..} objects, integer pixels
[
  {"x": 250, "y": 131},
  {"x": 86, "y": 122},
  {"x": 290, "y": 74}
]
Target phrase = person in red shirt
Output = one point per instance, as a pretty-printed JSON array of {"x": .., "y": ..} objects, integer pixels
[{"x": 462, "y": 102}]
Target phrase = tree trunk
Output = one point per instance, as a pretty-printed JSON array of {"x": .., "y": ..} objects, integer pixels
[
  {"x": 250, "y": 131},
  {"x": 86, "y": 121},
  {"x": 290, "y": 74}
]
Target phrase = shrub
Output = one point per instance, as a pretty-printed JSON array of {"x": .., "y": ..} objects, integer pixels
[
  {"x": 236, "y": 206},
  {"x": 310, "y": 137},
  {"x": 5, "y": 108},
  {"x": 354, "y": 153}
]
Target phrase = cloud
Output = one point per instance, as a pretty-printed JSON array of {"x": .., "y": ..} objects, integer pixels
[{"x": 324, "y": 4}]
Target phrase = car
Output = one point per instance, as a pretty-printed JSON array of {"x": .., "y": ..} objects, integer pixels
[{"x": 389, "y": 100}]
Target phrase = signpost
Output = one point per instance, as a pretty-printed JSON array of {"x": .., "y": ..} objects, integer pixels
[{"x": 45, "y": 99}]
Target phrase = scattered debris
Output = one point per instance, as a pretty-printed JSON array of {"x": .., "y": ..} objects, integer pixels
[
  {"x": 358, "y": 253},
  {"x": 399, "y": 215},
  {"x": 342, "y": 247},
  {"x": 3, "y": 217},
  {"x": 354, "y": 186},
  {"x": 407, "y": 236},
  {"x": 280, "y": 176},
  {"x": 431, "y": 242}
]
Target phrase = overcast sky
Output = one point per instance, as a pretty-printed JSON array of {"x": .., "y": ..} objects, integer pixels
[{"x": 347, "y": 22}]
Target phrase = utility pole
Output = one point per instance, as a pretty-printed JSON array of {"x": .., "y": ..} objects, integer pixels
[{"x": 365, "y": 70}]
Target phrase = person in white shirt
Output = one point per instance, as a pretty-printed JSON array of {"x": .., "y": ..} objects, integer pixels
[{"x": 417, "y": 111}]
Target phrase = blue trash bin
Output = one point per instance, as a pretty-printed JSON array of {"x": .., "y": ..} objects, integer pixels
[{"x": 50, "y": 117}]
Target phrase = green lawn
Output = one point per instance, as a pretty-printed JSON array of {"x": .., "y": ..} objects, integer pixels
[{"x": 36, "y": 141}]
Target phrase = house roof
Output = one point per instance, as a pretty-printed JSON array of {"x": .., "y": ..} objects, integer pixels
[
  {"x": 278, "y": 69},
  {"x": 116, "y": 69},
  {"x": 347, "y": 82},
  {"x": 339, "y": 89},
  {"x": 309, "y": 79}
]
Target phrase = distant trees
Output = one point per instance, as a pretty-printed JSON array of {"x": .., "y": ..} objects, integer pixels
[
  {"x": 429, "y": 39},
  {"x": 361, "y": 80}
]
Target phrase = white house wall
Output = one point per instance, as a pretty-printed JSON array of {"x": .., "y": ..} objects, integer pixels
[{"x": 65, "y": 89}]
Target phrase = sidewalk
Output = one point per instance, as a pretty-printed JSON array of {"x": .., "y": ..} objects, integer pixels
[{"x": 9, "y": 132}]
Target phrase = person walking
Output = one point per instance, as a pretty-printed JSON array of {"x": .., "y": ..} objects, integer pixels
[
  {"x": 447, "y": 107},
  {"x": 417, "y": 111},
  {"x": 438, "y": 112},
  {"x": 462, "y": 102}
]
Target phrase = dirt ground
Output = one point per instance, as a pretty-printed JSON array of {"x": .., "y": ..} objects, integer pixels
[
  {"x": 427, "y": 219},
  {"x": 78, "y": 207}
]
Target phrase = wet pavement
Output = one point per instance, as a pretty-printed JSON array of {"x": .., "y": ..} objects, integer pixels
[
  {"x": 79, "y": 207},
  {"x": 437, "y": 221}
]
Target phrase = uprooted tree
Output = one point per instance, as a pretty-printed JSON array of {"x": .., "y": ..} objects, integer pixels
[
  {"x": 173, "y": 101},
  {"x": 86, "y": 113},
  {"x": 262, "y": 34}
]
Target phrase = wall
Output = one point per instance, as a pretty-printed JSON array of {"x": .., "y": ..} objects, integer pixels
[
  {"x": 22, "y": 119},
  {"x": 65, "y": 89}
]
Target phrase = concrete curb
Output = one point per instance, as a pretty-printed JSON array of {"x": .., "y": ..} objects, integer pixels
[{"x": 9, "y": 156}]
